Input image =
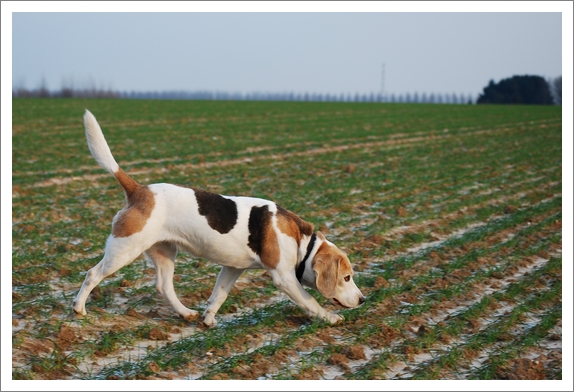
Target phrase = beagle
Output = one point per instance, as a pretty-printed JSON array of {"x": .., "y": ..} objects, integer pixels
[{"x": 238, "y": 233}]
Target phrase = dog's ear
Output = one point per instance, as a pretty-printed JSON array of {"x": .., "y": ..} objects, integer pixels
[{"x": 326, "y": 268}]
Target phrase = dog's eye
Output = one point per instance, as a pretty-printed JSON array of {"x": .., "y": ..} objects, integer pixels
[{"x": 347, "y": 278}]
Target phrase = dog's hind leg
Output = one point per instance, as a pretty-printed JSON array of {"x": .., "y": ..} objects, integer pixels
[
  {"x": 163, "y": 256},
  {"x": 225, "y": 280},
  {"x": 119, "y": 252}
]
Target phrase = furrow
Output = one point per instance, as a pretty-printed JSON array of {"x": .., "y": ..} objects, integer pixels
[
  {"x": 436, "y": 300},
  {"x": 273, "y": 157}
]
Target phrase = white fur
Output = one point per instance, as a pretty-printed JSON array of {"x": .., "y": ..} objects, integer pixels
[{"x": 98, "y": 145}]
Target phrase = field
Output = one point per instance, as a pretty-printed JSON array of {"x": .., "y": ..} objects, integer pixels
[{"x": 450, "y": 214}]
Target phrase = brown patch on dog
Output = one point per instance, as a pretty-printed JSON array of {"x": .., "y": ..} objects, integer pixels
[
  {"x": 326, "y": 266},
  {"x": 290, "y": 224},
  {"x": 129, "y": 184},
  {"x": 331, "y": 265},
  {"x": 132, "y": 219},
  {"x": 262, "y": 238},
  {"x": 220, "y": 212},
  {"x": 345, "y": 267}
]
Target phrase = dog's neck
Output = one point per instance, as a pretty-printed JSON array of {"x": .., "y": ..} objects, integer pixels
[{"x": 308, "y": 256}]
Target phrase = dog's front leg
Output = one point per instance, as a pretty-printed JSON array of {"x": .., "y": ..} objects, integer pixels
[
  {"x": 225, "y": 280},
  {"x": 287, "y": 282}
]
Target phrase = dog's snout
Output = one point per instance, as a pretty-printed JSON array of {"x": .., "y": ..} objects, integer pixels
[{"x": 361, "y": 300}]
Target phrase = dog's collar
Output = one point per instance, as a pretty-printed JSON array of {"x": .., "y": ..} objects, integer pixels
[{"x": 301, "y": 267}]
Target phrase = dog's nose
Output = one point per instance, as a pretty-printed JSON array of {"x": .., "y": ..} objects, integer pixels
[{"x": 361, "y": 300}]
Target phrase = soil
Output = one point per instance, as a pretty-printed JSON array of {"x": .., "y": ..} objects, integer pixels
[{"x": 41, "y": 333}]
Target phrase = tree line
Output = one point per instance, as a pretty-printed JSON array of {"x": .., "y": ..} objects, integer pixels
[
  {"x": 43, "y": 92},
  {"x": 290, "y": 96},
  {"x": 415, "y": 97},
  {"x": 525, "y": 89}
]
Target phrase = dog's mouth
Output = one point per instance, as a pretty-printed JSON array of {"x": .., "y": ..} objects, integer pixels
[{"x": 337, "y": 302}]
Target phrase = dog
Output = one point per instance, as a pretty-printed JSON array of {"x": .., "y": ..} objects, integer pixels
[{"x": 238, "y": 233}]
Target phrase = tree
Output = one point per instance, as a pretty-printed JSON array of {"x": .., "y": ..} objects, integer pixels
[
  {"x": 43, "y": 91},
  {"x": 454, "y": 98},
  {"x": 556, "y": 90},
  {"x": 527, "y": 89}
]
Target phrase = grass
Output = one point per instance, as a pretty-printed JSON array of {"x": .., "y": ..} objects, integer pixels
[{"x": 449, "y": 213}]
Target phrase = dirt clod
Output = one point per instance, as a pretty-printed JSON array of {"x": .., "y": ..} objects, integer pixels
[
  {"x": 401, "y": 212},
  {"x": 66, "y": 337},
  {"x": 96, "y": 293},
  {"x": 326, "y": 336},
  {"x": 376, "y": 239},
  {"x": 510, "y": 209},
  {"x": 133, "y": 313},
  {"x": 522, "y": 369},
  {"x": 156, "y": 334},
  {"x": 423, "y": 330},
  {"x": 126, "y": 283},
  {"x": 434, "y": 255},
  {"x": 338, "y": 359},
  {"x": 354, "y": 352},
  {"x": 381, "y": 282},
  {"x": 154, "y": 367}
]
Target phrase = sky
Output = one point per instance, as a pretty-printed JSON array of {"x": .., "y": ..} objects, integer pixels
[{"x": 299, "y": 52}]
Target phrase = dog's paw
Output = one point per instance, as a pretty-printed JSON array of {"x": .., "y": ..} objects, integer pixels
[
  {"x": 79, "y": 310},
  {"x": 334, "y": 318},
  {"x": 209, "y": 320}
]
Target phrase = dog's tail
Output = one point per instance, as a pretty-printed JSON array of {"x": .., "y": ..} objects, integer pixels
[{"x": 101, "y": 152}]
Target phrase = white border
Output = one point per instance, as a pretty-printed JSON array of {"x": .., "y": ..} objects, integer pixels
[
  {"x": 420, "y": 6},
  {"x": 286, "y": 6}
]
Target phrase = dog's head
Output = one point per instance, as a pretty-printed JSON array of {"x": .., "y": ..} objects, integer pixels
[{"x": 334, "y": 275}]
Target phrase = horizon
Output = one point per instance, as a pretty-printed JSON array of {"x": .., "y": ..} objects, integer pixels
[{"x": 272, "y": 53}]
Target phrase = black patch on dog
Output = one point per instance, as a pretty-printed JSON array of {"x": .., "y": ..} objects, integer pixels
[
  {"x": 221, "y": 213},
  {"x": 259, "y": 219}
]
